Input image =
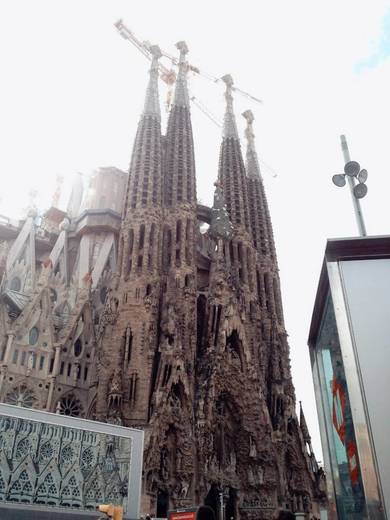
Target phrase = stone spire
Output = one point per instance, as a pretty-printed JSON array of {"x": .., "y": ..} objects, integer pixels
[
  {"x": 260, "y": 220},
  {"x": 229, "y": 120},
  {"x": 303, "y": 425},
  {"x": 231, "y": 165},
  {"x": 252, "y": 161},
  {"x": 152, "y": 102},
  {"x": 180, "y": 184},
  {"x": 181, "y": 97},
  {"x": 145, "y": 181}
]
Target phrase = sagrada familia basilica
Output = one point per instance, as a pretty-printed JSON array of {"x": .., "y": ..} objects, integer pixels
[{"x": 124, "y": 309}]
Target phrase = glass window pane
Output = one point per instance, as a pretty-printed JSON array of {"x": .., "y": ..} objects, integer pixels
[
  {"x": 348, "y": 485},
  {"x": 33, "y": 336}
]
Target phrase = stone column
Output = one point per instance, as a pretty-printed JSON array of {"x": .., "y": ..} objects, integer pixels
[
  {"x": 56, "y": 369},
  {"x": 7, "y": 353}
]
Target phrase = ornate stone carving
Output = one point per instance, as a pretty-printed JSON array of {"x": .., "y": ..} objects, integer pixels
[{"x": 183, "y": 337}]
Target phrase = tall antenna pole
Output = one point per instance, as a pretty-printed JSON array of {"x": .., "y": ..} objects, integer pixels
[{"x": 351, "y": 181}]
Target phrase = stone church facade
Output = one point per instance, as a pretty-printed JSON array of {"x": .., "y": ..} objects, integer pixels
[{"x": 124, "y": 309}]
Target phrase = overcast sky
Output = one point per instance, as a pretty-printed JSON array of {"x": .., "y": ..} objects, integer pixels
[{"x": 71, "y": 92}]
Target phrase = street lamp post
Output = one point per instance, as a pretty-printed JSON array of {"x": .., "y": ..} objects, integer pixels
[
  {"x": 358, "y": 190},
  {"x": 221, "y": 505}
]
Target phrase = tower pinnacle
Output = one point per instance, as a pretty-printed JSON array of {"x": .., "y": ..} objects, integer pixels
[
  {"x": 252, "y": 161},
  {"x": 303, "y": 425},
  {"x": 180, "y": 183},
  {"x": 229, "y": 122},
  {"x": 181, "y": 92},
  {"x": 152, "y": 104},
  {"x": 260, "y": 220},
  {"x": 144, "y": 184},
  {"x": 231, "y": 165}
]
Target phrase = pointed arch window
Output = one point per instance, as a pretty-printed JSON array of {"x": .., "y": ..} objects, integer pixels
[
  {"x": 267, "y": 286},
  {"x": 258, "y": 284},
  {"x": 178, "y": 232},
  {"x": 167, "y": 248},
  {"x": 15, "y": 357},
  {"x": 241, "y": 261},
  {"x": 275, "y": 286},
  {"x": 249, "y": 267},
  {"x": 234, "y": 347},
  {"x": 151, "y": 245},
  {"x": 15, "y": 284},
  {"x": 33, "y": 336},
  {"x": 130, "y": 251},
  {"x": 77, "y": 347},
  {"x": 231, "y": 253},
  {"x": 188, "y": 241},
  {"x": 141, "y": 240},
  {"x": 128, "y": 344},
  {"x": 103, "y": 294}
]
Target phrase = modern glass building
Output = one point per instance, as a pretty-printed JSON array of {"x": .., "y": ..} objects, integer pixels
[{"x": 349, "y": 345}]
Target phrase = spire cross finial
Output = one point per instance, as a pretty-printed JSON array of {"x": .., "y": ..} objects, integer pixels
[
  {"x": 229, "y": 125},
  {"x": 152, "y": 104},
  {"x": 182, "y": 46},
  {"x": 248, "y": 114},
  {"x": 181, "y": 92},
  {"x": 228, "y": 80},
  {"x": 252, "y": 161},
  {"x": 156, "y": 53},
  {"x": 250, "y": 136}
]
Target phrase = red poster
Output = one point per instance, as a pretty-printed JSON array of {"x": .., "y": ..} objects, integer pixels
[
  {"x": 353, "y": 462},
  {"x": 182, "y": 515},
  {"x": 338, "y": 411}
]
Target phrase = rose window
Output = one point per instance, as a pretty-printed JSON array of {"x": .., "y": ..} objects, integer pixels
[
  {"x": 67, "y": 454},
  {"x": 21, "y": 396},
  {"x": 70, "y": 405},
  {"x": 46, "y": 451}
]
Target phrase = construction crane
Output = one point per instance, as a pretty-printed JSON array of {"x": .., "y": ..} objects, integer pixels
[
  {"x": 169, "y": 76},
  {"x": 196, "y": 70}
]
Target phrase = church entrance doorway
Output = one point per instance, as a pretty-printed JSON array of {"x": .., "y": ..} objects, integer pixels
[
  {"x": 162, "y": 504},
  {"x": 212, "y": 500}
]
